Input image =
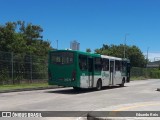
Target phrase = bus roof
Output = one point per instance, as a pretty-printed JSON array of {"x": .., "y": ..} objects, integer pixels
[
  {"x": 92, "y": 54},
  {"x": 80, "y": 52},
  {"x": 111, "y": 57}
]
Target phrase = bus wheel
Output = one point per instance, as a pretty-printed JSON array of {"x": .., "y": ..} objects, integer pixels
[
  {"x": 99, "y": 85},
  {"x": 122, "y": 84}
]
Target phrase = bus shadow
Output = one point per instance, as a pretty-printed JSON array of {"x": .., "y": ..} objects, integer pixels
[{"x": 81, "y": 91}]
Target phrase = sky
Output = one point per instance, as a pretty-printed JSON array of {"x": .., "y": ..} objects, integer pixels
[{"x": 91, "y": 22}]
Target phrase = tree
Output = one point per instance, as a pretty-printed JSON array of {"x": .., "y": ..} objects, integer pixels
[
  {"x": 88, "y": 50},
  {"x": 26, "y": 42},
  {"x": 7, "y": 37},
  {"x": 133, "y": 53},
  {"x": 19, "y": 37}
]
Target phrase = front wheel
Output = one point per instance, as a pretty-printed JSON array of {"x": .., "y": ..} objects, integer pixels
[{"x": 99, "y": 85}]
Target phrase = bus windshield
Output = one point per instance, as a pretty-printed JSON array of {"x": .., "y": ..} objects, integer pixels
[{"x": 61, "y": 58}]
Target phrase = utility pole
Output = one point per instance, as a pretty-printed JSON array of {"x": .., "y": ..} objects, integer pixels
[
  {"x": 147, "y": 63},
  {"x": 124, "y": 51},
  {"x": 57, "y": 44},
  {"x": 147, "y": 52},
  {"x": 147, "y": 56}
]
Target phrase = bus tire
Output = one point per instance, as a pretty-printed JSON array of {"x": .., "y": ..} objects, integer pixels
[
  {"x": 128, "y": 79},
  {"x": 99, "y": 85},
  {"x": 122, "y": 84}
]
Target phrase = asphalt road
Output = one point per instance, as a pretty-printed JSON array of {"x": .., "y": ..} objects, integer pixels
[{"x": 139, "y": 95}]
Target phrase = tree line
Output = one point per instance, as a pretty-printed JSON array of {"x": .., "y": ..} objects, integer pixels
[
  {"x": 133, "y": 53},
  {"x": 23, "y": 52},
  {"x": 21, "y": 37}
]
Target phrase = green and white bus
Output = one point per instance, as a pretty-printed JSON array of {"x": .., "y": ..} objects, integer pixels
[{"x": 85, "y": 70}]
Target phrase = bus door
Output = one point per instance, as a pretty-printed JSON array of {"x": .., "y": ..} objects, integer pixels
[
  {"x": 112, "y": 69},
  {"x": 118, "y": 76},
  {"x": 90, "y": 72}
]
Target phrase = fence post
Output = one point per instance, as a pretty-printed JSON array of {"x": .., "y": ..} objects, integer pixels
[
  {"x": 12, "y": 67},
  {"x": 31, "y": 66}
]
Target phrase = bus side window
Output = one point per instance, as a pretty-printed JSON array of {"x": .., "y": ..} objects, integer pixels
[
  {"x": 118, "y": 65},
  {"x": 90, "y": 64},
  {"x": 105, "y": 65},
  {"x": 111, "y": 66},
  {"x": 83, "y": 62},
  {"x": 124, "y": 65},
  {"x": 98, "y": 64}
]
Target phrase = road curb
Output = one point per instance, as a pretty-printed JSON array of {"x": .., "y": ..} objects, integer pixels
[
  {"x": 125, "y": 111},
  {"x": 94, "y": 117},
  {"x": 30, "y": 89},
  {"x": 91, "y": 116}
]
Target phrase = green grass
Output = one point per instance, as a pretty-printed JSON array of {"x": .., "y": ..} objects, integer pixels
[
  {"x": 21, "y": 86},
  {"x": 139, "y": 78}
]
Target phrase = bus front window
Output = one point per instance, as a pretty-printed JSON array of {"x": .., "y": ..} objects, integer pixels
[{"x": 62, "y": 58}]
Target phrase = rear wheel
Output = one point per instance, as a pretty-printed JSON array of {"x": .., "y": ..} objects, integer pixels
[
  {"x": 122, "y": 84},
  {"x": 99, "y": 85}
]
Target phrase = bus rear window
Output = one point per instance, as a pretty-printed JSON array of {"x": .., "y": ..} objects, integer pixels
[{"x": 61, "y": 58}]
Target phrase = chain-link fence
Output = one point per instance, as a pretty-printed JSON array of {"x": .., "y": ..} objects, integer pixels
[
  {"x": 28, "y": 68},
  {"x": 22, "y": 68},
  {"x": 145, "y": 72},
  {"x": 137, "y": 72}
]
